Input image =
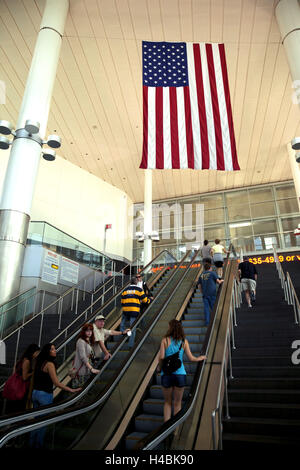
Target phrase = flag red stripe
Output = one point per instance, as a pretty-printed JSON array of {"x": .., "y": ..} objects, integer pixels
[
  {"x": 144, "y": 162},
  {"x": 189, "y": 129},
  {"x": 201, "y": 107},
  {"x": 215, "y": 106},
  {"x": 174, "y": 129},
  {"x": 159, "y": 128},
  {"x": 235, "y": 163}
]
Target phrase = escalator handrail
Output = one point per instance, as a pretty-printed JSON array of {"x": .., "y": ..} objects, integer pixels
[
  {"x": 69, "y": 402},
  {"x": 104, "y": 306},
  {"x": 158, "y": 435}
]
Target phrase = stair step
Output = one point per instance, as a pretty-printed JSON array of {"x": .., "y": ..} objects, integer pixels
[
  {"x": 276, "y": 411},
  {"x": 264, "y": 396},
  {"x": 254, "y": 440},
  {"x": 262, "y": 426},
  {"x": 258, "y": 352},
  {"x": 262, "y": 361},
  {"x": 283, "y": 371},
  {"x": 265, "y": 383}
]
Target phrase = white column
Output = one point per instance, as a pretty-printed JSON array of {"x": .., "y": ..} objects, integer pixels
[
  {"x": 147, "y": 216},
  {"x": 20, "y": 179},
  {"x": 288, "y": 19},
  {"x": 295, "y": 171}
]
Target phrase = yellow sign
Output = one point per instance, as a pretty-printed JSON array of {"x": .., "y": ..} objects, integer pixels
[{"x": 270, "y": 259}]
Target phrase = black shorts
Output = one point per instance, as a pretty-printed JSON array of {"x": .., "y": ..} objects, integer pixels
[{"x": 218, "y": 264}]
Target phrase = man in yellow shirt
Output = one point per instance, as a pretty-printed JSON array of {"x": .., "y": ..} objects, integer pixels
[{"x": 131, "y": 300}]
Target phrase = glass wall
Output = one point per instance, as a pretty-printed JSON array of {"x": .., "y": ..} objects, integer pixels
[
  {"x": 253, "y": 218},
  {"x": 42, "y": 233}
]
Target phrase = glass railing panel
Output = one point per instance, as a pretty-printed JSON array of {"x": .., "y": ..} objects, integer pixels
[{"x": 64, "y": 244}]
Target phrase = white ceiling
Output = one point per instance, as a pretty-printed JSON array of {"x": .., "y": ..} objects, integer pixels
[{"x": 97, "y": 100}]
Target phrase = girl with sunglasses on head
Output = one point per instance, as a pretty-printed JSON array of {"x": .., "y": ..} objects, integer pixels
[{"x": 84, "y": 356}]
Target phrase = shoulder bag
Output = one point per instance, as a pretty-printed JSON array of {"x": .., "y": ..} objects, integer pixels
[{"x": 171, "y": 363}]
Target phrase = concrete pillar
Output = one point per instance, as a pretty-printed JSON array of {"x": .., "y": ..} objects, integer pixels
[
  {"x": 20, "y": 178},
  {"x": 147, "y": 217},
  {"x": 288, "y": 18},
  {"x": 295, "y": 171}
]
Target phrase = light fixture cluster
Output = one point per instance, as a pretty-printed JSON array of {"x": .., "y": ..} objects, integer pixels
[
  {"x": 30, "y": 131},
  {"x": 296, "y": 146},
  {"x": 142, "y": 236}
]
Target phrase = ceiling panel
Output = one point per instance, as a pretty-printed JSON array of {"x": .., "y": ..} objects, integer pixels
[{"x": 97, "y": 99}]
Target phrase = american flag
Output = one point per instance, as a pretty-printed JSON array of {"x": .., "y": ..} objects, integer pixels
[{"x": 187, "y": 117}]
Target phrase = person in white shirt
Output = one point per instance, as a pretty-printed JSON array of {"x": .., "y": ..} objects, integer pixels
[
  {"x": 101, "y": 335},
  {"x": 217, "y": 253}
]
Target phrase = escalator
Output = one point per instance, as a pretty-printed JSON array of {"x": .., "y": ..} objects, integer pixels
[
  {"x": 146, "y": 430},
  {"x": 149, "y": 414},
  {"x": 130, "y": 367}
]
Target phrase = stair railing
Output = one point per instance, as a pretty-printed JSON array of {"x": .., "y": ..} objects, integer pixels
[
  {"x": 288, "y": 288},
  {"x": 235, "y": 303},
  {"x": 68, "y": 300},
  {"x": 73, "y": 292},
  {"x": 280, "y": 272},
  {"x": 292, "y": 297}
]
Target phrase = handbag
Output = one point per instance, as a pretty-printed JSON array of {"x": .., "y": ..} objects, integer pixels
[
  {"x": 171, "y": 363},
  {"x": 15, "y": 387},
  {"x": 73, "y": 372}
]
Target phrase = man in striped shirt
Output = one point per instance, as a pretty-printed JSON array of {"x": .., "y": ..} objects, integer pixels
[{"x": 132, "y": 298}]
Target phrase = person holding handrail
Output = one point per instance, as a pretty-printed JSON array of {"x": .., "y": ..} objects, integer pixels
[
  {"x": 84, "y": 355},
  {"x": 133, "y": 297},
  {"x": 217, "y": 252},
  {"x": 101, "y": 335},
  {"x": 45, "y": 378},
  {"x": 173, "y": 384},
  {"x": 208, "y": 281}
]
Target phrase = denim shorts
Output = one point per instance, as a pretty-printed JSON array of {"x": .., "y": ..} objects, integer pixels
[{"x": 173, "y": 380}]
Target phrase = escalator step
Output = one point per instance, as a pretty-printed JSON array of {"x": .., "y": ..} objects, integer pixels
[
  {"x": 192, "y": 323},
  {"x": 133, "y": 438},
  {"x": 153, "y": 406},
  {"x": 194, "y": 316},
  {"x": 148, "y": 423}
]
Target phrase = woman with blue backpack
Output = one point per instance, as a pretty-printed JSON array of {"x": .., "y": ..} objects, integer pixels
[{"x": 173, "y": 374}]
